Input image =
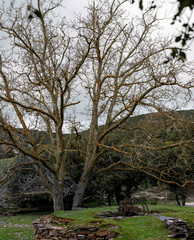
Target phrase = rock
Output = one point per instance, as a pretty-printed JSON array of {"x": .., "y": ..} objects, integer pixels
[
  {"x": 87, "y": 229},
  {"x": 132, "y": 210},
  {"x": 176, "y": 228},
  {"x": 80, "y": 236},
  {"x": 91, "y": 236},
  {"x": 44, "y": 230},
  {"x": 109, "y": 214},
  {"x": 101, "y": 233}
]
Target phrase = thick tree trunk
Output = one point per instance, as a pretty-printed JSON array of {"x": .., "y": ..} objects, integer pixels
[
  {"x": 79, "y": 193},
  {"x": 58, "y": 204}
]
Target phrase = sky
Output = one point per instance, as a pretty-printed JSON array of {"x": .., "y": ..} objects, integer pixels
[{"x": 166, "y": 12}]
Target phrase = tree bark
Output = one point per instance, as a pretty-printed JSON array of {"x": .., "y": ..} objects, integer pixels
[
  {"x": 108, "y": 197},
  {"x": 183, "y": 200},
  {"x": 183, "y": 196},
  {"x": 79, "y": 193},
  {"x": 177, "y": 199},
  {"x": 58, "y": 204},
  {"x": 118, "y": 193}
]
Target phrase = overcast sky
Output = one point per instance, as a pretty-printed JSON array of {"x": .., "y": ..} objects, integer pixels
[{"x": 166, "y": 12}]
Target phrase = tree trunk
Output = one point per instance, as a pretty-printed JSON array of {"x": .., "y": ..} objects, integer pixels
[
  {"x": 183, "y": 200},
  {"x": 118, "y": 194},
  {"x": 58, "y": 204},
  {"x": 108, "y": 192},
  {"x": 177, "y": 199},
  {"x": 79, "y": 193}
]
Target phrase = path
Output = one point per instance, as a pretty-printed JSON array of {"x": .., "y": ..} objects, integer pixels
[{"x": 190, "y": 204}]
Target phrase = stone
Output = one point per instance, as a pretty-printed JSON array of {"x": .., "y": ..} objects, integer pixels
[
  {"x": 105, "y": 233},
  {"x": 44, "y": 230},
  {"x": 87, "y": 228},
  {"x": 101, "y": 233},
  {"x": 111, "y": 235},
  {"x": 80, "y": 236},
  {"x": 176, "y": 228},
  {"x": 91, "y": 236},
  {"x": 132, "y": 210},
  {"x": 84, "y": 232}
]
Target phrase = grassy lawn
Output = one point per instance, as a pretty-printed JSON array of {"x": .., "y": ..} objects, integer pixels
[
  {"x": 146, "y": 227},
  {"x": 18, "y": 227},
  {"x": 185, "y": 213}
]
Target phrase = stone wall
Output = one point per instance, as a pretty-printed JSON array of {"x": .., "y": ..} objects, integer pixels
[{"x": 45, "y": 229}]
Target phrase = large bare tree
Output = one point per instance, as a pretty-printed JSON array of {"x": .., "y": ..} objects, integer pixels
[
  {"x": 125, "y": 73},
  {"x": 117, "y": 61},
  {"x": 37, "y": 77}
]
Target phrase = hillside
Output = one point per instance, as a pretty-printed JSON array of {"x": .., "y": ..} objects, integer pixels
[{"x": 146, "y": 122}]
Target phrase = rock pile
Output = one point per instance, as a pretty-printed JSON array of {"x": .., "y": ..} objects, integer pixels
[
  {"x": 45, "y": 230},
  {"x": 176, "y": 228},
  {"x": 128, "y": 211}
]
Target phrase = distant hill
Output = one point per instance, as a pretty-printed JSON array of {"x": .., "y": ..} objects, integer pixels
[{"x": 147, "y": 121}]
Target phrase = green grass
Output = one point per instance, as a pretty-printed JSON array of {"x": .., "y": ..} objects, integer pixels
[
  {"x": 18, "y": 227},
  {"x": 15, "y": 233},
  {"x": 146, "y": 227},
  {"x": 184, "y": 213}
]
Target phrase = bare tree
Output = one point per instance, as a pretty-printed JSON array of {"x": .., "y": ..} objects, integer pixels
[
  {"x": 120, "y": 65},
  {"x": 125, "y": 72},
  {"x": 38, "y": 74}
]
